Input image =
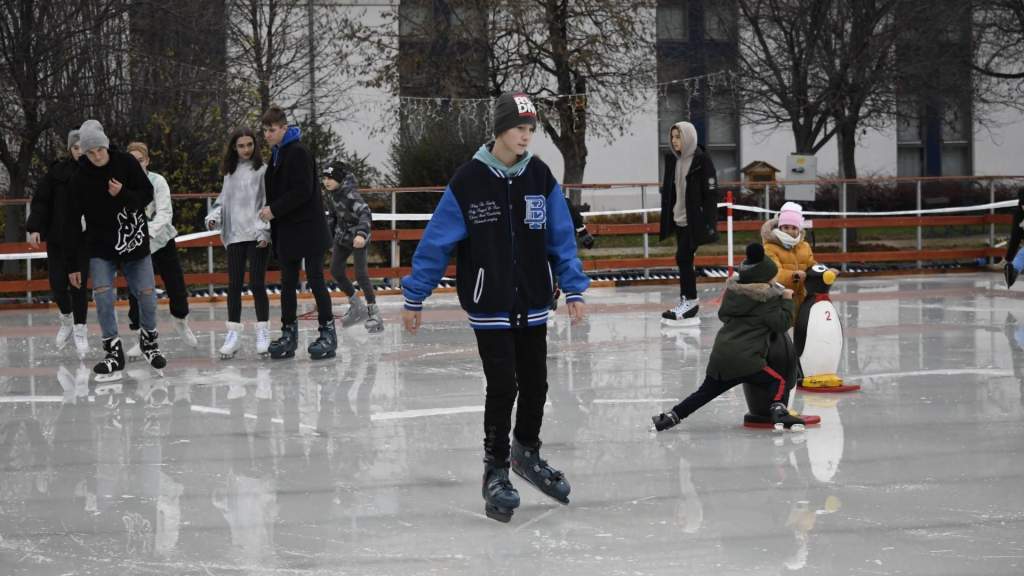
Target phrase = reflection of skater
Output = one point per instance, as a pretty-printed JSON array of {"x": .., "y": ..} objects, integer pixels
[
  {"x": 753, "y": 308},
  {"x": 48, "y": 220},
  {"x": 505, "y": 214},
  {"x": 1015, "y": 257},
  {"x": 246, "y": 236},
  {"x": 689, "y": 196},
  {"x": 1015, "y": 337}
]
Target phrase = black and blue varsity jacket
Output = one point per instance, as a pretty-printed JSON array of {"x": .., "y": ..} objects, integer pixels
[{"x": 512, "y": 236}]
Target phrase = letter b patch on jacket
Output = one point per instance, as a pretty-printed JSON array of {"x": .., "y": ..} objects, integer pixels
[{"x": 536, "y": 212}]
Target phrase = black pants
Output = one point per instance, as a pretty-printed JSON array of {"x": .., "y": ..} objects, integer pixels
[
  {"x": 685, "y": 249},
  {"x": 167, "y": 265},
  {"x": 70, "y": 300},
  {"x": 713, "y": 388},
  {"x": 338, "y": 261},
  {"x": 315, "y": 280},
  {"x": 515, "y": 363},
  {"x": 239, "y": 254}
]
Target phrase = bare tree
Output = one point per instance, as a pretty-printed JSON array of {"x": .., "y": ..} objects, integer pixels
[
  {"x": 999, "y": 38},
  {"x": 56, "y": 59},
  {"x": 588, "y": 64},
  {"x": 290, "y": 53}
]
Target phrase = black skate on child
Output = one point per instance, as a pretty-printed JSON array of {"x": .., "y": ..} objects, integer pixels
[
  {"x": 151, "y": 351},
  {"x": 665, "y": 420},
  {"x": 284, "y": 347},
  {"x": 111, "y": 368},
  {"x": 783, "y": 420},
  {"x": 527, "y": 463},
  {"x": 501, "y": 499},
  {"x": 326, "y": 344}
]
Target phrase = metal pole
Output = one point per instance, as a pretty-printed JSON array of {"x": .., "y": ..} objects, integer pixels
[
  {"x": 767, "y": 201},
  {"x": 394, "y": 227},
  {"x": 920, "y": 242},
  {"x": 728, "y": 228},
  {"x": 28, "y": 261},
  {"x": 643, "y": 206},
  {"x": 209, "y": 258},
  {"x": 842, "y": 210},
  {"x": 991, "y": 224}
]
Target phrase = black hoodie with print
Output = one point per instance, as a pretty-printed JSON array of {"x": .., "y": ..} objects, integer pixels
[{"x": 115, "y": 225}]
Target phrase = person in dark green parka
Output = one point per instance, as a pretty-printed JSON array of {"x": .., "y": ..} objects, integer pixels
[{"x": 753, "y": 308}]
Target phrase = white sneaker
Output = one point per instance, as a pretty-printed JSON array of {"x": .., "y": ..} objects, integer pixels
[
  {"x": 684, "y": 314},
  {"x": 181, "y": 325},
  {"x": 81, "y": 334},
  {"x": 262, "y": 338},
  {"x": 232, "y": 341},
  {"x": 64, "y": 333}
]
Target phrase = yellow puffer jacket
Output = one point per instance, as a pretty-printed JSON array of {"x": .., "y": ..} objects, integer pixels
[{"x": 800, "y": 258}]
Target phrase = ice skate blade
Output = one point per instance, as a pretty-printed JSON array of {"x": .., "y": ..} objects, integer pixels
[
  {"x": 682, "y": 323},
  {"x": 112, "y": 377},
  {"x": 282, "y": 356},
  {"x": 330, "y": 354},
  {"x": 224, "y": 356},
  {"x": 263, "y": 355},
  {"x": 541, "y": 490},
  {"x": 500, "y": 514},
  {"x": 376, "y": 330}
]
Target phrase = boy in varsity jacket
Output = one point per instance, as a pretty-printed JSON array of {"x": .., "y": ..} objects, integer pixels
[{"x": 504, "y": 215}]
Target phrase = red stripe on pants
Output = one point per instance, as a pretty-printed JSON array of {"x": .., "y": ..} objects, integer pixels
[{"x": 782, "y": 382}]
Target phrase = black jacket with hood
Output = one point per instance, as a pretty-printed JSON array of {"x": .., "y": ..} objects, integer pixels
[
  {"x": 116, "y": 226},
  {"x": 701, "y": 198}
]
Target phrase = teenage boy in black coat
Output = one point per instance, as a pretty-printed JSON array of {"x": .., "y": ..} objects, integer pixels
[{"x": 298, "y": 230}]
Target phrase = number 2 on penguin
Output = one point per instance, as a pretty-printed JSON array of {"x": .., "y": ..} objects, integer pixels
[{"x": 828, "y": 315}]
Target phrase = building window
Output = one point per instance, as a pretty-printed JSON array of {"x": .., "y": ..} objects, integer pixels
[
  {"x": 671, "y": 110},
  {"x": 723, "y": 136},
  {"x": 909, "y": 139},
  {"x": 415, "y": 20},
  {"x": 673, "y": 22},
  {"x": 720, "y": 20}
]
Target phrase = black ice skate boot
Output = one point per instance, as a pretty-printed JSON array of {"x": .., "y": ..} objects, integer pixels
[
  {"x": 783, "y": 420},
  {"x": 665, "y": 420},
  {"x": 326, "y": 344},
  {"x": 151, "y": 351},
  {"x": 501, "y": 499},
  {"x": 284, "y": 347},
  {"x": 112, "y": 367},
  {"x": 527, "y": 463}
]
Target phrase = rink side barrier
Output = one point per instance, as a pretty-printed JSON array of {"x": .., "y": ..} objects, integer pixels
[{"x": 842, "y": 220}]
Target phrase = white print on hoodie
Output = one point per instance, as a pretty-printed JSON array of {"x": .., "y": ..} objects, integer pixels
[{"x": 131, "y": 231}]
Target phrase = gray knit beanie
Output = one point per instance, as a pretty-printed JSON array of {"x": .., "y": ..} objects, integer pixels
[
  {"x": 512, "y": 109},
  {"x": 91, "y": 136},
  {"x": 72, "y": 138}
]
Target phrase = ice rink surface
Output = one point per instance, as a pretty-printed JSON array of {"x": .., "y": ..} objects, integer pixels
[{"x": 371, "y": 464}]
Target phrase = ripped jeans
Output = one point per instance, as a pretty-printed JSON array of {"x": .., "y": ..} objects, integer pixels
[{"x": 139, "y": 275}]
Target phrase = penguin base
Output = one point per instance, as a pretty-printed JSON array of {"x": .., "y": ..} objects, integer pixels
[
  {"x": 825, "y": 384},
  {"x": 765, "y": 422}
]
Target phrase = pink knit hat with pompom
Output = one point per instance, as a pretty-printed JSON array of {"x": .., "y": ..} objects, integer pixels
[{"x": 792, "y": 214}]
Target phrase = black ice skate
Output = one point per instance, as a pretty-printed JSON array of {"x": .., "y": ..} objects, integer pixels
[
  {"x": 500, "y": 498},
  {"x": 151, "y": 351},
  {"x": 112, "y": 367},
  {"x": 355, "y": 314},
  {"x": 284, "y": 347},
  {"x": 665, "y": 420},
  {"x": 527, "y": 463},
  {"x": 326, "y": 344},
  {"x": 783, "y": 420}
]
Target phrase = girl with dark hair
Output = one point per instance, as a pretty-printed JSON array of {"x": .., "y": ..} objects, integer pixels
[{"x": 236, "y": 214}]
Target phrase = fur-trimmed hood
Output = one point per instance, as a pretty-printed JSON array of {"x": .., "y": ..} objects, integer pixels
[{"x": 757, "y": 291}]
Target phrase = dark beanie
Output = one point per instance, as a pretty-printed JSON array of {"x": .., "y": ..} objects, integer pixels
[
  {"x": 512, "y": 109},
  {"x": 335, "y": 171},
  {"x": 756, "y": 268}
]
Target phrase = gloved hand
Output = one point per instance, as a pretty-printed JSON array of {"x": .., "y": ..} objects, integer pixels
[{"x": 584, "y": 238}]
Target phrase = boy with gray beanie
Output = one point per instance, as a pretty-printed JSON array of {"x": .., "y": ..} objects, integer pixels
[
  {"x": 111, "y": 192},
  {"x": 504, "y": 214},
  {"x": 48, "y": 220}
]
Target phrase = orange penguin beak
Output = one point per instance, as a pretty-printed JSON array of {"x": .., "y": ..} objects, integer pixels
[{"x": 829, "y": 277}]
